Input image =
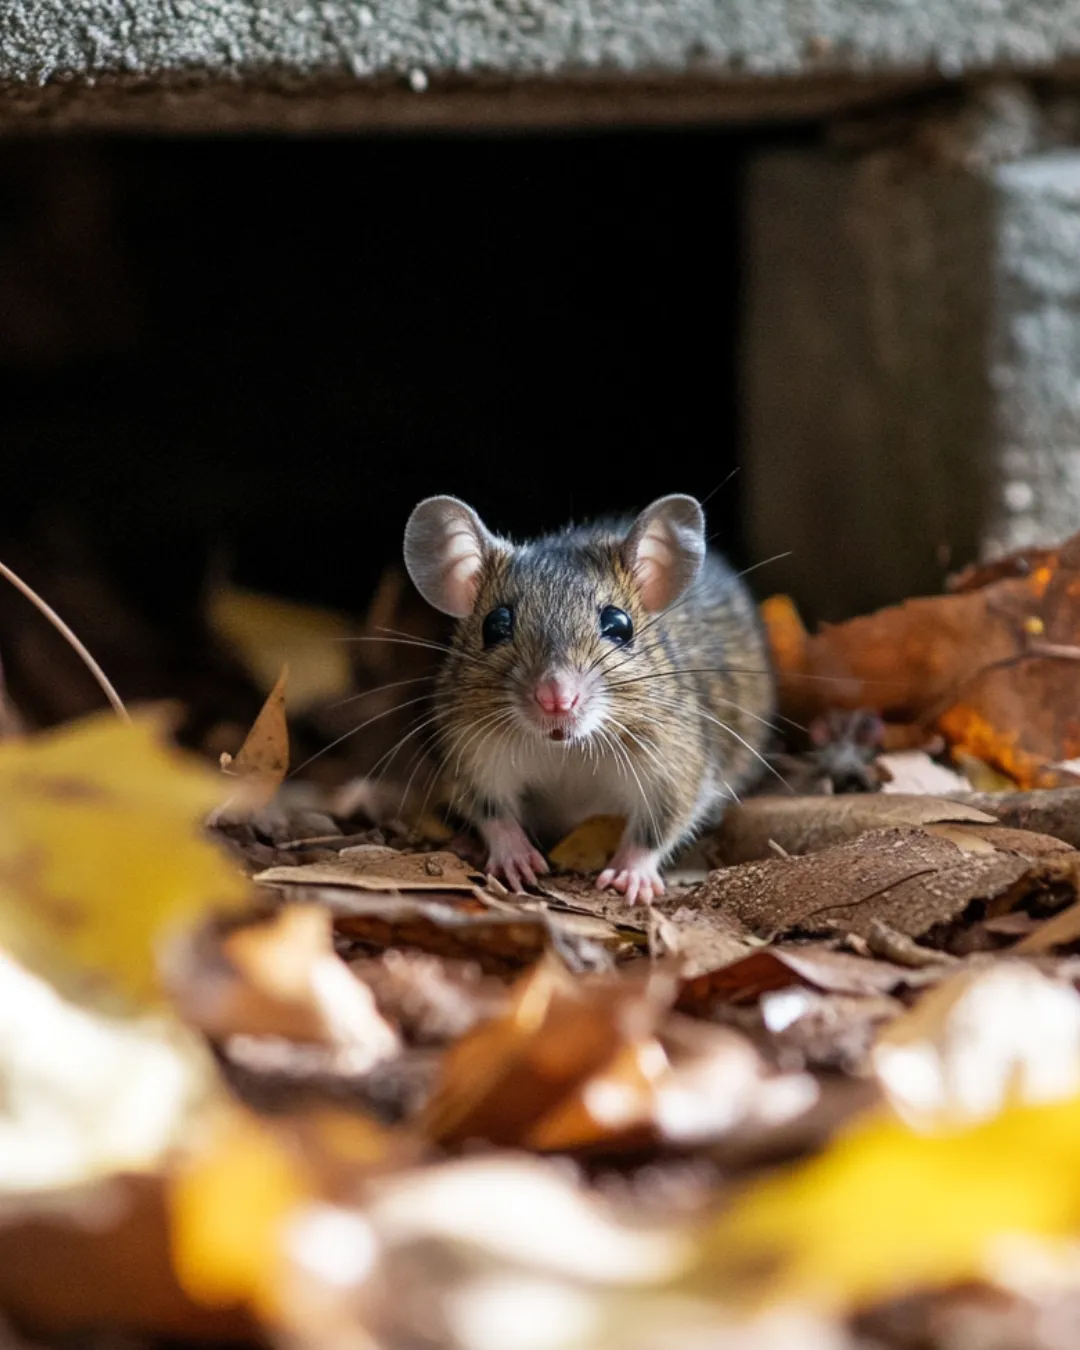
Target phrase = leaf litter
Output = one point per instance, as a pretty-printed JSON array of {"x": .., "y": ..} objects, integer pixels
[{"x": 279, "y": 1063}]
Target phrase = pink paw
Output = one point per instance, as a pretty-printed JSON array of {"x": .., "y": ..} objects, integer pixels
[
  {"x": 511, "y": 855},
  {"x": 635, "y": 873}
]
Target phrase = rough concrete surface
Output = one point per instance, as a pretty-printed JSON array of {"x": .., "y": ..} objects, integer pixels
[
  {"x": 913, "y": 357},
  {"x": 1034, "y": 352},
  {"x": 43, "y": 39}
]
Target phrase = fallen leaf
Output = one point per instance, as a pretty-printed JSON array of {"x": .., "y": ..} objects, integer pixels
[
  {"x": 914, "y": 773},
  {"x": 811, "y": 964},
  {"x": 100, "y": 1257},
  {"x": 992, "y": 666},
  {"x": 87, "y": 1095},
  {"x": 100, "y": 850},
  {"x": 886, "y": 1210},
  {"x": 575, "y": 1064},
  {"x": 753, "y": 829},
  {"x": 589, "y": 846},
  {"x": 229, "y": 1203},
  {"x": 369, "y": 867},
  {"x": 909, "y": 879},
  {"x": 500, "y": 937},
  {"x": 262, "y": 761},
  {"x": 1059, "y": 931},
  {"x": 982, "y": 1040},
  {"x": 431, "y": 999},
  {"x": 1053, "y": 811},
  {"x": 280, "y": 976},
  {"x": 268, "y": 633}
]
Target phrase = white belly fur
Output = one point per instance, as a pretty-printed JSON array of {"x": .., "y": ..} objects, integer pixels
[{"x": 557, "y": 787}]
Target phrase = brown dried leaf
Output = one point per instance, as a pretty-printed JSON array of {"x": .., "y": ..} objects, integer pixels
[
  {"x": 280, "y": 976},
  {"x": 575, "y": 1064},
  {"x": 910, "y": 879},
  {"x": 810, "y": 964},
  {"x": 1059, "y": 931},
  {"x": 589, "y": 846},
  {"x": 500, "y": 937},
  {"x": 262, "y": 761},
  {"x": 993, "y": 666},
  {"x": 103, "y": 1259},
  {"x": 370, "y": 867},
  {"x": 805, "y": 824}
]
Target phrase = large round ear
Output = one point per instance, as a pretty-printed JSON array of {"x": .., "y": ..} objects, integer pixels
[
  {"x": 665, "y": 549},
  {"x": 446, "y": 543}
]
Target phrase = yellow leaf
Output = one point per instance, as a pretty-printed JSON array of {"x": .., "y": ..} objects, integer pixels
[
  {"x": 268, "y": 633},
  {"x": 263, "y": 760},
  {"x": 228, "y": 1207},
  {"x": 101, "y": 852},
  {"x": 886, "y": 1210},
  {"x": 589, "y": 845}
]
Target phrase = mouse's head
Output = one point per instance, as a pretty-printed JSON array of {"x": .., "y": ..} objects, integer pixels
[{"x": 548, "y": 631}]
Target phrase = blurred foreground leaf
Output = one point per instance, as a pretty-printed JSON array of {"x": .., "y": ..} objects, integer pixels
[
  {"x": 101, "y": 852},
  {"x": 887, "y": 1211}
]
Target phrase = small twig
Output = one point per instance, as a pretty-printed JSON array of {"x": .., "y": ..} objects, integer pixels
[{"x": 65, "y": 632}]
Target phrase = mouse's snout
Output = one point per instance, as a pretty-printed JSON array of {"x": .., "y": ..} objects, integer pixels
[
  {"x": 558, "y": 694},
  {"x": 559, "y": 703}
]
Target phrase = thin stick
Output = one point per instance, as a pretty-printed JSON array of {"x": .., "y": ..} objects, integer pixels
[{"x": 65, "y": 632}]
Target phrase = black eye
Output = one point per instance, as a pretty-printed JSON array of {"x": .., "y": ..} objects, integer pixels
[
  {"x": 616, "y": 624},
  {"x": 498, "y": 626}
]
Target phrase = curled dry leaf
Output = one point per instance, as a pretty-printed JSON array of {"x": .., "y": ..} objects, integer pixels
[
  {"x": 101, "y": 852},
  {"x": 581, "y": 1064},
  {"x": 262, "y": 762},
  {"x": 753, "y": 829},
  {"x": 984, "y": 1039},
  {"x": 810, "y": 965},
  {"x": 280, "y": 976},
  {"x": 993, "y": 666},
  {"x": 912, "y": 880}
]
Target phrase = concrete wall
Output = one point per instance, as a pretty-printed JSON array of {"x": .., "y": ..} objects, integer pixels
[
  {"x": 66, "y": 59},
  {"x": 912, "y": 381}
]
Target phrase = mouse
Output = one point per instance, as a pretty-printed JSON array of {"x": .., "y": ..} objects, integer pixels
[{"x": 618, "y": 667}]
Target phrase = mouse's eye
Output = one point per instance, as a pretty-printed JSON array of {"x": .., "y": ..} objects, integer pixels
[
  {"x": 616, "y": 624},
  {"x": 498, "y": 626}
]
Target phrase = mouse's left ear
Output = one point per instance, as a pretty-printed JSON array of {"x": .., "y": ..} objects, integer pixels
[
  {"x": 446, "y": 543},
  {"x": 665, "y": 549}
]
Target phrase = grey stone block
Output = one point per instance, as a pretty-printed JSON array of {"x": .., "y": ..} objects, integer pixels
[
  {"x": 733, "y": 49},
  {"x": 912, "y": 379}
]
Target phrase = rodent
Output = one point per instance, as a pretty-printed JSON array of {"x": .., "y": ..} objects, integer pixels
[{"x": 618, "y": 667}]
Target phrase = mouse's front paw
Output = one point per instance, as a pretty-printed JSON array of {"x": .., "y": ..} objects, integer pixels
[
  {"x": 635, "y": 872},
  {"x": 511, "y": 854}
]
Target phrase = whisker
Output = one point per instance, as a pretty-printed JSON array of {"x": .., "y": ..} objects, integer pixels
[
  {"x": 345, "y": 735},
  {"x": 380, "y": 689}
]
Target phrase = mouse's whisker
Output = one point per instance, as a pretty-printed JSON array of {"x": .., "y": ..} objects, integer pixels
[
  {"x": 640, "y": 785},
  {"x": 380, "y": 689},
  {"x": 387, "y": 712},
  {"x": 659, "y": 700}
]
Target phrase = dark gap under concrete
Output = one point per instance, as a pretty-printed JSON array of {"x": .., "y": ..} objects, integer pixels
[{"x": 270, "y": 349}]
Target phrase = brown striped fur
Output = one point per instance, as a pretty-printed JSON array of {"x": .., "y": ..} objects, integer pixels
[{"x": 684, "y": 706}]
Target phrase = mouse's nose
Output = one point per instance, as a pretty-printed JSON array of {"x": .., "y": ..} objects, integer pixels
[{"x": 557, "y": 695}]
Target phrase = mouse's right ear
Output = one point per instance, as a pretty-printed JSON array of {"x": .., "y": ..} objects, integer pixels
[{"x": 446, "y": 543}]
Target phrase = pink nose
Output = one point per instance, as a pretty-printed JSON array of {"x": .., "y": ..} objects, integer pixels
[{"x": 556, "y": 696}]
